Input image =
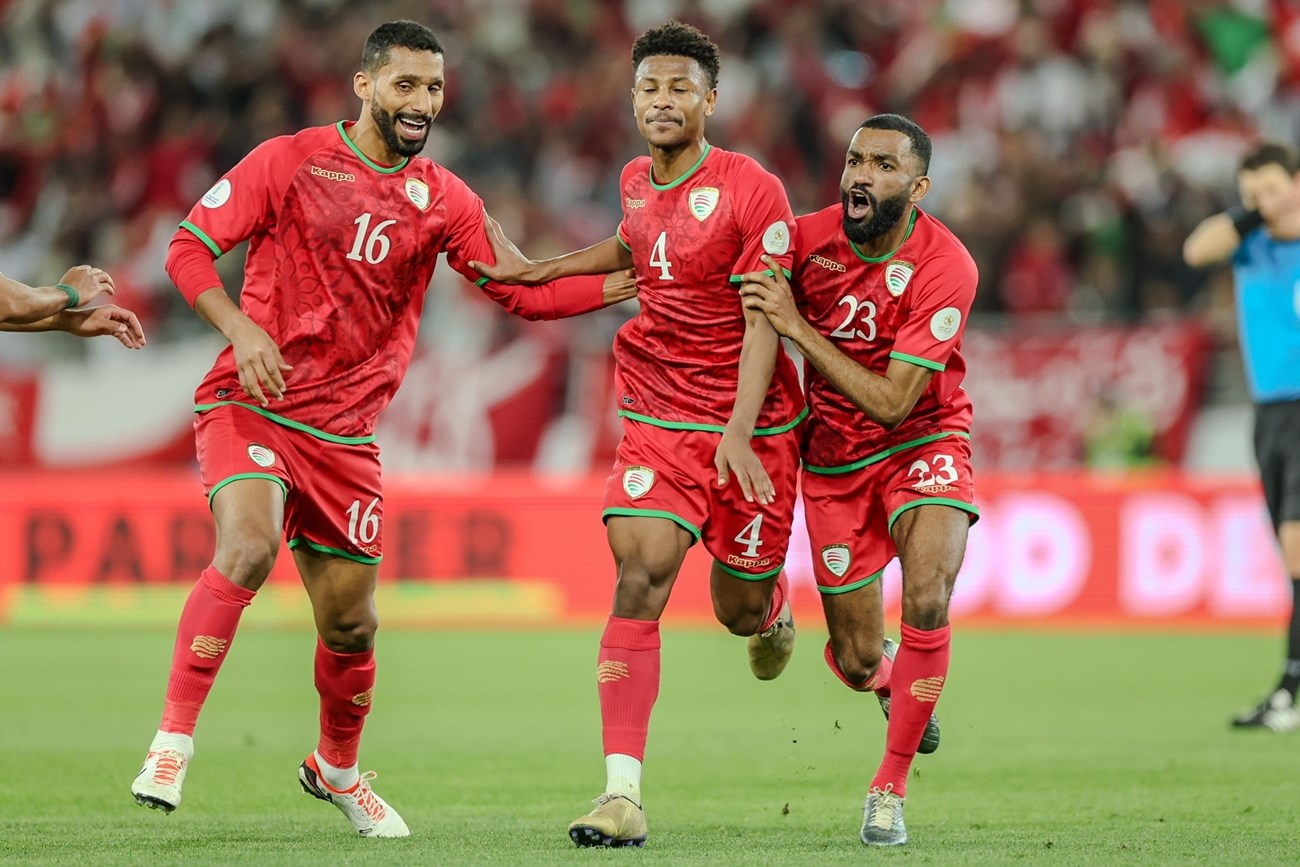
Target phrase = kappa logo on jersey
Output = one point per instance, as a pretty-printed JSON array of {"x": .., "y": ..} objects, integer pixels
[
  {"x": 837, "y": 559},
  {"x": 776, "y": 240},
  {"x": 828, "y": 264},
  {"x": 897, "y": 275},
  {"x": 637, "y": 481},
  {"x": 418, "y": 192},
  {"x": 328, "y": 175},
  {"x": 633, "y": 204},
  {"x": 944, "y": 323},
  {"x": 702, "y": 201},
  {"x": 218, "y": 195},
  {"x": 261, "y": 455}
]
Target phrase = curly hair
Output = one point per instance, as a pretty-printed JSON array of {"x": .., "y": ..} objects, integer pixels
[
  {"x": 396, "y": 34},
  {"x": 679, "y": 40}
]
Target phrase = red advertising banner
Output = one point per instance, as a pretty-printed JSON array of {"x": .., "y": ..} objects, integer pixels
[
  {"x": 509, "y": 549},
  {"x": 1045, "y": 397}
]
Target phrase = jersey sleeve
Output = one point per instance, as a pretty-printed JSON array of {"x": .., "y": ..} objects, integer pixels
[
  {"x": 246, "y": 198},
  {"x": 467, "y": 241},
  {"x": 621, "y": 231},
  {"x": 942, "y": 295},
  {"x": 766, "y": 222}
]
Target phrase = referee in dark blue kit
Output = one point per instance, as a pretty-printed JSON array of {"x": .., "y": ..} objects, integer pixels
[{"x": 1262, "y": 238}]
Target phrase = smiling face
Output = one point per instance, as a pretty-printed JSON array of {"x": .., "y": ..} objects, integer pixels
[
  {"x": 881, "y": 177},
  {"x": 405, "y": 95},
  {"x": 671, "y": 98}
]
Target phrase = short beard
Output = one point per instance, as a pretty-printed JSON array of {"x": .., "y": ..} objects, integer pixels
[
  {"x": 387, "y": 125},
  {"x": 885, "y": 215}
]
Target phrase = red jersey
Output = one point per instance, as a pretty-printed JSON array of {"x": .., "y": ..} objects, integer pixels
[
  {"x": 678, "y": 360},
  {"x": 341, "y": 253},
  {"x": 910, "y": 304}
]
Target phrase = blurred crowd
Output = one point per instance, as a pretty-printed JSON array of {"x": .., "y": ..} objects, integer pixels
[{"x": 1077, "y": 142}]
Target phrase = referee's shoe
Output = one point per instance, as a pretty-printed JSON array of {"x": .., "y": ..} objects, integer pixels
[{"x": 1277, "y": 712}]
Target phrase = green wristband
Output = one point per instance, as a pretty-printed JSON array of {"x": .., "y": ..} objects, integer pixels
[{"x": 74, "y": 299}]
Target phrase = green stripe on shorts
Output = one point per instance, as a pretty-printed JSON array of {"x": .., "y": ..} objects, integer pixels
[
  {"x": 335, "y": 552},
  {"x": 653, "y": 513},
  {"x": 746, "y": 575},
  {"x": 933, "y": 501},
  {"x": 284, "y": 489},
  {"x": 849, "y": 588}
]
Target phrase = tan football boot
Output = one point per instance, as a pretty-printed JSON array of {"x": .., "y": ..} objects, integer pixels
[{"x": 616, "y": 821}]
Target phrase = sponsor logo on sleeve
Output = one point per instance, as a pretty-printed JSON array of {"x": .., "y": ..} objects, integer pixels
[
  {"x": 837, "y": 558},
  {"x": 897, "y": 275},
  {"x": 218, "y": 195},
  {"x": 776, "y": 240},
  {"x": 944, "y": 323},
  {"x": 637, "y": 481},
  {"x": 702, "y": 201},
  {"x": 418, "y": 192},
  {"x": 261, "y": 455}
]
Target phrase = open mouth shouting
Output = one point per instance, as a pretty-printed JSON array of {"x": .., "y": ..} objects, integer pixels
[{"x": 858, "y": 204}]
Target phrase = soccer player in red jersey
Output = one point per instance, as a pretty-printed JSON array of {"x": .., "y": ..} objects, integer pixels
[
  {"x": 345, "y": 223},
  {"x": 59, "y": 307},
  {"x": 705, "y": 393},
  {"x": 886, "y": 290}
]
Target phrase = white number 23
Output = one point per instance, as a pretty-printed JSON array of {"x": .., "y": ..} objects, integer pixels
[{"x": 944, "y": 472}]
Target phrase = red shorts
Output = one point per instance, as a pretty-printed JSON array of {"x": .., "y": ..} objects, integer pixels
[
  {"x": 333, "y": 500},
  {"x": 663, "y": 473},
  {"x": 849, "y": 515}
]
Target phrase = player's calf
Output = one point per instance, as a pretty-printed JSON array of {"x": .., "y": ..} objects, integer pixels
[{"x": 930, "y": 739}]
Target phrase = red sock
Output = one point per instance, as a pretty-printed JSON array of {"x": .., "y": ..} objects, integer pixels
[
  {"x": 779, "y": 593},
  {"x": 346, "y": 683},
  {"x": 877, "y": 683},
  {"x": 627, "y": 676},
  {"x": 920, "y": 670},
  {"x": 208, "y": 623}
]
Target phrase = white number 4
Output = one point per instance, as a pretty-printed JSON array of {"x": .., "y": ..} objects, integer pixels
[
  {"x": 659, "y": 257},
  {"x": 363, "y": 527},
  {"x": 945, "y": 473},
  {"x": 749, "y": 537},
  {"x": 376, "y": 245}
]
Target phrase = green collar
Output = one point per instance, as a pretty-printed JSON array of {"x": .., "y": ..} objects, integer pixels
[
  {"x": 386, "y": 170},
  {"x": 707, "y": 147}
]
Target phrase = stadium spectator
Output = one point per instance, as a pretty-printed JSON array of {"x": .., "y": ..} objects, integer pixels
[
  {"x": 110, "y": 113},
  {"x": 59, "y": 307},
  {"x": 887, "y": 454},
  {"x": 1262, "y": 238},
  {"x": 346, "y": 223}
]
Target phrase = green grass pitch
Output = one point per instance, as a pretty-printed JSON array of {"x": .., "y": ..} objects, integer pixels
[{"x": 1057, "y": 749}]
